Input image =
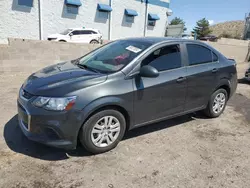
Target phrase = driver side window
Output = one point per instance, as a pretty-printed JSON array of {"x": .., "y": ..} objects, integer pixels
[
  {"x": 165, "y": 58},
  {"x": 76, "y": 32}
]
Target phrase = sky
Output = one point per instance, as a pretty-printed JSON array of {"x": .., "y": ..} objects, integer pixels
[{"x": 215, "y": 11}]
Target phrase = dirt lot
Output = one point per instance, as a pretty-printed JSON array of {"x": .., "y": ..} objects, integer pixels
[{"x": 190, "y": 151}]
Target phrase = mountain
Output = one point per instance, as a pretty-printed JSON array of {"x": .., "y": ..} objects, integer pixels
[{"x": 230, "y": 29}]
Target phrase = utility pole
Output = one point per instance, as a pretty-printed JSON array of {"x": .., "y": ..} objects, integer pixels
[
  {"x": 40, "y": 12},
  {"x": 146, "y": 18}
]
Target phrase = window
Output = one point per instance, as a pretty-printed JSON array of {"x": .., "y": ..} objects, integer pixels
[
  {"x": 165, "y": 58},
  {"x": 86, "y": 32},
  {"x": 114, "y": 56},
  {"x": 198, "y": 54},
  {"x": 66, "y": 32},
  {"x": 151, "y": 22},
  {"x": 93, "y": 32},
  {"x": 76, "y": 32},
  {"x": 215, "y": 57}
]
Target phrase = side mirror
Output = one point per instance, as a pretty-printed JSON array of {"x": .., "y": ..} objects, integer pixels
[
  {"x": 149, "y": 72},
  {"x": 71, "y": 34}
]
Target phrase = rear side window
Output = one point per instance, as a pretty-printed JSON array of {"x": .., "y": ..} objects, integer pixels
[
  {"x": 86, "y": 32},
  {"x": 165, "y": 58},
  {"x": 93, "y": 32},
  {"x": 198, "y": 54},
  {"x": 215, "y": 57}
]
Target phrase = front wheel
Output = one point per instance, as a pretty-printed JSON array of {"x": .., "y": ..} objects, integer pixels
[
  {"x": 102, "y": 131},
  {"x": 217, "y": 103}
]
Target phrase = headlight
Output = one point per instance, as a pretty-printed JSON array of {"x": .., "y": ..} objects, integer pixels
[{"x": 56, "y": 104}]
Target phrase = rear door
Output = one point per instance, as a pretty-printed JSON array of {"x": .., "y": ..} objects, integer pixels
[
  {"x": 202, "y": 73},
  {"x": 164, "y": 96},
  {"x": 86, "y": 36}
]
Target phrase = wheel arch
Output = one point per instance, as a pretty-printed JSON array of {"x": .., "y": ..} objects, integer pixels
[
  {"x": 94, "y": 40},
  {"x": 114, "y": 103},
  {"x": 224, "y": 84}
]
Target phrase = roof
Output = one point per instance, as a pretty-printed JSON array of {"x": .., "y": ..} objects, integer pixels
[
  {"x": 81, "y": 28},
  {"x": 155, "y": 40}
]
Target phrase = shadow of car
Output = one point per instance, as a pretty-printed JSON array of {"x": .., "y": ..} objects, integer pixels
[{"x": 18, "y": 142}]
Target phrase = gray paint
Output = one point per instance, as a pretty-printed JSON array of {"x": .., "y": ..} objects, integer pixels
[{"x": 145, "y": 100}]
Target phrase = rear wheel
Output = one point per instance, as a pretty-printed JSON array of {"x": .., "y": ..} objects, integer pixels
[
  {"x": 94, "y": 42},
  {"x": 102, "y": 131},
  {"x": 217, "y": 103}
]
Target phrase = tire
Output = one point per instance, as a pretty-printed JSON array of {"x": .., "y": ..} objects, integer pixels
[
  {"x": 212, "y": 110},
  {"x": 94, "y": 42},
  {"x": 93, "y": 124},
  {"x": 62, "y": 41}
]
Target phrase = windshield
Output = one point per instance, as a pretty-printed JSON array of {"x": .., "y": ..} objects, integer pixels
[
  {"x": 113, "y": 56},
  {"x": 66, "y": 31}
]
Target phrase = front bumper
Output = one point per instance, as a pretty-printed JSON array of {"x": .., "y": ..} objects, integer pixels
[{"x": 57, "y": 129}]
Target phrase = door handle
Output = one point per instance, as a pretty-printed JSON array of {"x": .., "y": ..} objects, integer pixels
[
  {"x": 214, "y": 70},
  {"x": 181, "y": 79}
]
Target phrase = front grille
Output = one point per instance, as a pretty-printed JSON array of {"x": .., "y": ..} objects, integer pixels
[
  {"x": 20, "y": 106},
  {"x": 26, "y": 94},
  {"x": 23, "y": 116},
  {"x": 25, "y": 124}
]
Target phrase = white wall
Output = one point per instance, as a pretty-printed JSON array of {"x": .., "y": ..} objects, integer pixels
[
  {"x": 23, "y": 22},
  {"x": 56, "y": 17},
  {"x": 18, "y": 21},
  {"x": 159, "y": 29},
  {"x": 121, "y": 25}
]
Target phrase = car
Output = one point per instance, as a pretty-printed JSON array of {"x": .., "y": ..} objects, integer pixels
[
  {"x": 120, "y": 86},
  {"x": 247, "y": 75},
  {"x": 78, "y": 35},
  {"x": 187, "y": 36},
  {"x": 211, "y": 38}
]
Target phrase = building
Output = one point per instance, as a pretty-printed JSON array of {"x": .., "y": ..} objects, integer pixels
[{"x": 36, "y": 19}]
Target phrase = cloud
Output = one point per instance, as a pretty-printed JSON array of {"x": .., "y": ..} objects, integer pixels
[{"x": 211, "y": 22}]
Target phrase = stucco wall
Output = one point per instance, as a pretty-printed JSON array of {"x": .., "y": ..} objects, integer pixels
[
  {"x": 23, "y": 21},
  {"x": 159, "y": 28},
  {"x": 124, "y": 26},
  {"x": 57, "y": 17},
  {"x": 18, "y": 21}
]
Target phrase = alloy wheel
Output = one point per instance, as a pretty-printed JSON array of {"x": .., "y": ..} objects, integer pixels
[
  {"x": 219, "y": 103},
  {"x": 105, "y": 131}
]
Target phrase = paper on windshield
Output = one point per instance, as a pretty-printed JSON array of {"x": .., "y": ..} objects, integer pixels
[{"x": 133, "y": 49}]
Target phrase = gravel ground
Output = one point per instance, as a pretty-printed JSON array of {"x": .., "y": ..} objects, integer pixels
[{"x": 189, "y": 151}]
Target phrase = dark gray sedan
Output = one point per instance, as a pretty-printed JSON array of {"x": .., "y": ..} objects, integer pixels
[{"x": 120, "y": 86}]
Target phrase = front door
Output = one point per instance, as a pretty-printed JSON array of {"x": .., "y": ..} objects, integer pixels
[
  {"x": 164, "y": 96},
  {"x": 75, "y": 36}
]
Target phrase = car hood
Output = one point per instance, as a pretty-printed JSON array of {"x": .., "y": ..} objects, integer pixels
[{"x": 61, "y": 79}]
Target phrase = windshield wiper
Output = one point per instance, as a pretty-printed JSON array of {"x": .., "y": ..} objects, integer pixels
[{"x": 88, "y": 68}]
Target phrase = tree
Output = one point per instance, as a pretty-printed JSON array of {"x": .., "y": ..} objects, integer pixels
[
  {"x": 202, "y": 28},
  {"x": 177, "y": 21}
]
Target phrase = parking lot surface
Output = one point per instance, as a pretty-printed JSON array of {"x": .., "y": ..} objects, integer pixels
[{"x": 189, "y": 151}]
